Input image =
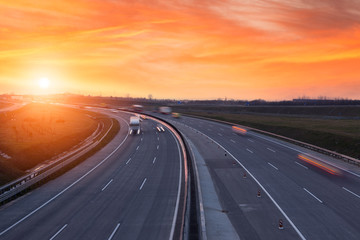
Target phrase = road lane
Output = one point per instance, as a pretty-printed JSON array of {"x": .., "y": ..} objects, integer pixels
[
  {"x": 108, "y": 195},
  {"x": 335, "y": 217}
]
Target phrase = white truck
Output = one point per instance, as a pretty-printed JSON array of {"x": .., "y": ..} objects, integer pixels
[
  {"x": 165, "y": 110},
  {"x": 134, "y": 125}
]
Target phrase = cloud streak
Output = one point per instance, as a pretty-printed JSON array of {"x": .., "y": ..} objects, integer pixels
[{"x": 227, "y": 48}]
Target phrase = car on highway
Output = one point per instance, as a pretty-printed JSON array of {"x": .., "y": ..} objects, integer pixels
[
  {"x": 239, "y": 130},
  {"x": 321, "y": 164},
  {"x": 176, "y": 115}
]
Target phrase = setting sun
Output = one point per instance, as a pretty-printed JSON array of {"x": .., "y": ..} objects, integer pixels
[{"x": 44, "y": 83}]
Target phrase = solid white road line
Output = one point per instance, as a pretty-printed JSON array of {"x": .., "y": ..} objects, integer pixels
[
  {"x": 313, "y": 195},
  {"x": 251, "y": 140},
  {"x": 351, "y": 192},
  {"x": 113, "y": 233},
  {"x": 58, "y": 232},
  {"x": 301, "y": 165},
  {"x": 154, "y": 160},
  {"x": 271, "y": 150},
  {"x": 262, "y": 187},
  {"x": 249, "y": 150},
  {"x": 127, "y": 162},
  {"x": 67, "y": 188},
  {"x": 273, "y": 166},
  {"x": 107, "y": 185},
  {"x": 232, "y": 141},
  {"x": 172, "y": 231},
  {"x": 142, "y": 184}
]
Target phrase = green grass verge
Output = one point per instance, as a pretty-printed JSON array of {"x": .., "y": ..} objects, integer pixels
[{"x": 342, "y": 136}]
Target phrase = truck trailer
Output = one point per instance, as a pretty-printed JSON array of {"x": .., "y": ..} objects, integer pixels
[{"x": 134, "y": 125}]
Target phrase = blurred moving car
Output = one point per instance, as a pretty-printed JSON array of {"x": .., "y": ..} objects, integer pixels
[
  {"x": 165, "y": 110},
  {"x": 176, "y": 115},
  {"x": 137, "y": 108},
  {"x": 239, "y": 130},
  {"x": 320, "y": 164}
]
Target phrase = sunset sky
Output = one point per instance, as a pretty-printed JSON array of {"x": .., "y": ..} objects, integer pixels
[{"x": 184, "y": 49}]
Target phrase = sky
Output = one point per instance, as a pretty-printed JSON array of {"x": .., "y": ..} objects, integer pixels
[{"x": 182, "y": 49}]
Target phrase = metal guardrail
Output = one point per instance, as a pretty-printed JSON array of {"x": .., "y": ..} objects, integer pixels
[
  {"x": 200, "y": 213},
  {"x": 17, "y": 186},
  {"x": 302, "y": 144}
]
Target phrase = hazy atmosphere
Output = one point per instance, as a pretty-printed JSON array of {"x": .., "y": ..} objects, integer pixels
[{"x": 269, "y": 49}]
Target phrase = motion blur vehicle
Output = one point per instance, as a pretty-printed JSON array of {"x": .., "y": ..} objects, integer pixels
[
  {"x": 137, "y": 108},
  {"x": 176, "y": 115},
  {"x": 320, "y": 164},
  {"x": 134, "y": 125},
  {"x": 165, "y": 110},
  {"x": 239, "y": 130}
]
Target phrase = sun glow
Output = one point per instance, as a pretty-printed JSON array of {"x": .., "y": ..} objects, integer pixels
[{"x": 44, "y": 83}]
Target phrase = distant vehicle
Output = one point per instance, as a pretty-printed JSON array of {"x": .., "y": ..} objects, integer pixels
[
  {"x": 160, "y": 128},
  {"x": 134, "y": 125},
  {"x": 165, "y": 110},
  {"x": 176, "y": 115},
  {"x": 239, "y": 130},
  {"x": 137, "y": 108}
]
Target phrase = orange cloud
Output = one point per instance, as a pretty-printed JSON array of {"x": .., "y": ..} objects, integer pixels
[{"x": 269, "y": 49}]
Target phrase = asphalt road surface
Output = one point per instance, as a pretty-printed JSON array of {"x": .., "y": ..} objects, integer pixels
[
  {"x": 130, "y": 189},
  {"x": 311, "y": 203}
]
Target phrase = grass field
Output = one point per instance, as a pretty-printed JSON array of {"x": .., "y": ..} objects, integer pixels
[
  {"x": 340, "y": 135},
  {"x": 37, "y": 132}
]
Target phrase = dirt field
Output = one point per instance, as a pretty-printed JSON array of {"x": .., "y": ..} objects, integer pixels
[
  {"x": 37, "y": 132},
  {"x": 340, "y": 135}
]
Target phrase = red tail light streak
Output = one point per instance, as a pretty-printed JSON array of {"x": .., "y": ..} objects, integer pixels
[
  {"x": 320, "y": 164},
  {"x": 239, "y": 130}
]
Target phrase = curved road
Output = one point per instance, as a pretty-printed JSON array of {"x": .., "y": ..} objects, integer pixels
[
  {"x": 312, "y": 204},
  {"x": 130, "y": 190}
]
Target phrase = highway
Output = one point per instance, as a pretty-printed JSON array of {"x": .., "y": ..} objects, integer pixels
[
  {"x": 311, "y": 203},
  {"x": 13, "y": 107},
  {"x": 131, "y": 189}
]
